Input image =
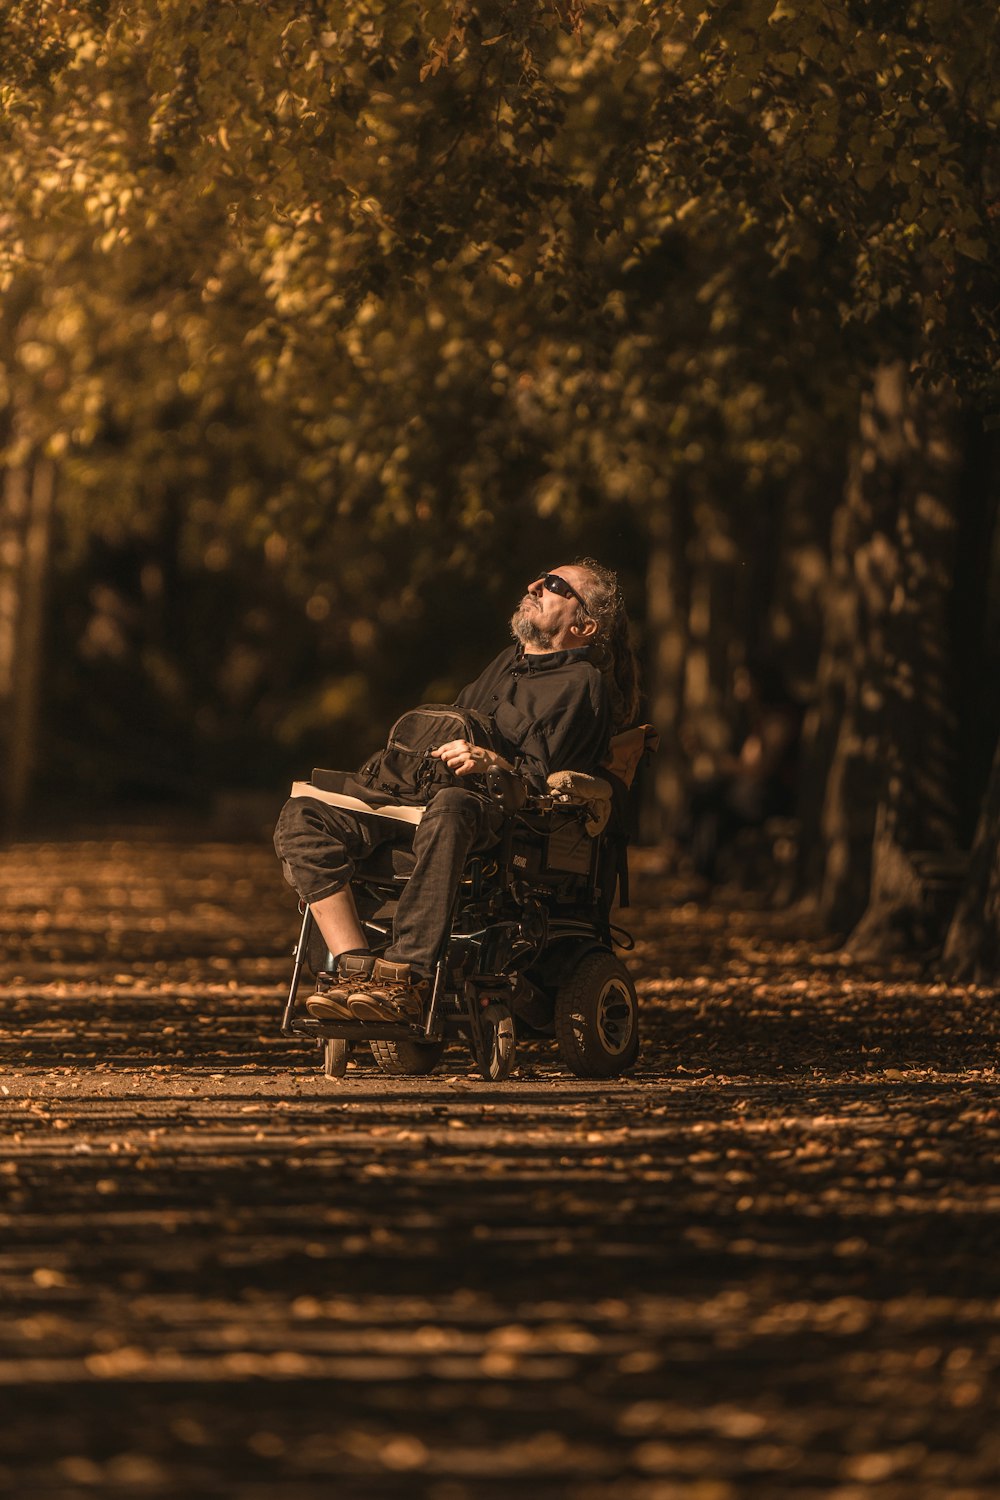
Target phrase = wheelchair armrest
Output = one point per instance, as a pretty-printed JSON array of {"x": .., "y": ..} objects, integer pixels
[
  {"x": 627, "y": 750},
  {"x": 329, "y": 781},
  {"x": 591, "y": 793}
]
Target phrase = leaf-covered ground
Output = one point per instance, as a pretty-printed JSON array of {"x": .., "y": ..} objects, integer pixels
[{"x": 767, "y": 1263}]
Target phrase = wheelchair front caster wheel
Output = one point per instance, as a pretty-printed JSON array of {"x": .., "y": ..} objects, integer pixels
[
  {"x": 334, "y": 1057},
  {"x": 499, "y": 1042},
  {"x": 406, "y": 1057}
]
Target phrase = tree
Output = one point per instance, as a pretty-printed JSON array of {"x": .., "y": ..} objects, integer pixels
[
  {"x": 889, "y": 788},
  {"x": 300, "y": 282},
  {"x": 972, "y": 949}
]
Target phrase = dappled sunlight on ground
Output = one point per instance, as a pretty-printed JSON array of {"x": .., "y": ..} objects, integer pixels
[{"x": 765, "y": 1263}]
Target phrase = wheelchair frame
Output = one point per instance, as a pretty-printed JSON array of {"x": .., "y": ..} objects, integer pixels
[{"x": 529, "y": 907}]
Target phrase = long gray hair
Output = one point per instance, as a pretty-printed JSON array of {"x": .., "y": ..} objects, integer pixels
[{"x": 612, "y": 649}]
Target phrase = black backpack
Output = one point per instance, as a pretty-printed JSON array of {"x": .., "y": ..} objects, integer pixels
[{"x": 405, "y": 768}]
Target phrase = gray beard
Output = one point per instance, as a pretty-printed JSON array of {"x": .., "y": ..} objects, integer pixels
[{"x": 526, "y": 629}]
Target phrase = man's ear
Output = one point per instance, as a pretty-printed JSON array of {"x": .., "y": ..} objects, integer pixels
[{"x": 588, "y": 628}]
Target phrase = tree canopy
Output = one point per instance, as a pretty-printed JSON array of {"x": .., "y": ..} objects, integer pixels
[{"x": 243, "y": 245}]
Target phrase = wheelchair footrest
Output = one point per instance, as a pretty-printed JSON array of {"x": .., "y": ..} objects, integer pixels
[{"x": 364, "y": 1031}]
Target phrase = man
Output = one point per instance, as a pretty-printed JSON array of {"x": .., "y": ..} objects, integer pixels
[{"x": 553, "y": 699}]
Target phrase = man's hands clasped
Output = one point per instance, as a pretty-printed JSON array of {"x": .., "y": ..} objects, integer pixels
[{"x": 465, "y": 759}]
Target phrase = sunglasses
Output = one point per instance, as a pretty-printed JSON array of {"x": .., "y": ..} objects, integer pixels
[{"x": 557, "y": 585}]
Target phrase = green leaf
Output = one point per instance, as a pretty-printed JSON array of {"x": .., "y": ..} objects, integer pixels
[{"x": 974, "y": 249}]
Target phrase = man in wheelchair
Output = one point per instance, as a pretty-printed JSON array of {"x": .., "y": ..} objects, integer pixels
[{"x": 542, "y": 715}]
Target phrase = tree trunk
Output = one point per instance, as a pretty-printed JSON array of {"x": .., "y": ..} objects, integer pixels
[
  {"x": 975, "y": 623},
  {"x": 25, "y": 529},
  {"x": 716, "y": 639},
  {"x": 972, "y": 947},
  {"x": 666, "y": 607},
  {"x": 862, "y": 578},
  {"x": 834, "y": 677},
  {"x": 885, "y": 667},
  {"x": 800, "y": 545},
  {"x": 916, "y": 820}
]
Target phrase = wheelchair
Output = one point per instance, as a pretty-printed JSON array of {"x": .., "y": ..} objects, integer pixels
[{"x": 530, "y": 945}]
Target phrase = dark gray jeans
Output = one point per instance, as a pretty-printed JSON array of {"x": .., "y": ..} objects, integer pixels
[{"x": 320, "y": 847}]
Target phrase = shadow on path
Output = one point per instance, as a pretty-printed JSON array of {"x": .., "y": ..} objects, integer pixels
[{"x": 765, "y": 1264}]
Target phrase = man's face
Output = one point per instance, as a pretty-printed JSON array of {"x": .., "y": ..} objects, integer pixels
[{"x": 546, "y": 620}]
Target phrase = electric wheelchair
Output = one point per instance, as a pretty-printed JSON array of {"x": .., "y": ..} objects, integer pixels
[{"x": 530, "y": 950}]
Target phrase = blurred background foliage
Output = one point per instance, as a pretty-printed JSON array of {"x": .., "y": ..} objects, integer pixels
[{"x": 324, "y": 326}]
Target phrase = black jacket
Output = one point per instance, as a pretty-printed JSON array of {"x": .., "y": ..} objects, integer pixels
[{"x": 550, "y": 712}]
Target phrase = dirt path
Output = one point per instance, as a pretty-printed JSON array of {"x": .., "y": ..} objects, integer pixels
[{"x": 766, "y": 1264}]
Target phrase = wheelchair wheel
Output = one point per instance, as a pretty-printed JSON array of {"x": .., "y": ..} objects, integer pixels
[
  {"x": 499, "y": 1042},
  {"x": 597, "y": 1019},
  {"x": 334, "y": 1057},
  {"x": 406, "y": 1057}
]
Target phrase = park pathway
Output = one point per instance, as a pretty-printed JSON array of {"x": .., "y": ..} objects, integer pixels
[{"x": 766, "y": 1264}]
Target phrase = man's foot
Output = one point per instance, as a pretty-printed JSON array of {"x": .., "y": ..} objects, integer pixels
[
  {"x": 329, "y": 1003},
  {"x": 393, "y": 993}
]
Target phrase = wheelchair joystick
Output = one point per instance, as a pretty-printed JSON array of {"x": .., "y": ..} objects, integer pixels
[{"x": 506, "y": 788}]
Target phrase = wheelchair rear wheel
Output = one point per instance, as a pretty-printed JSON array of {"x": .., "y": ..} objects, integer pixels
[
  {"x": 597, "y": 1018},
  {"x": 406, "y": 1057}
]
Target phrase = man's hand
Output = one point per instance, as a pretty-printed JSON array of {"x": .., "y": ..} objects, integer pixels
[{"x": 464, "y": 758}]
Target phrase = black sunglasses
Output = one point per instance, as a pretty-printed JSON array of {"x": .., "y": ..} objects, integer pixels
[{"x": 557, "y": 585}]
